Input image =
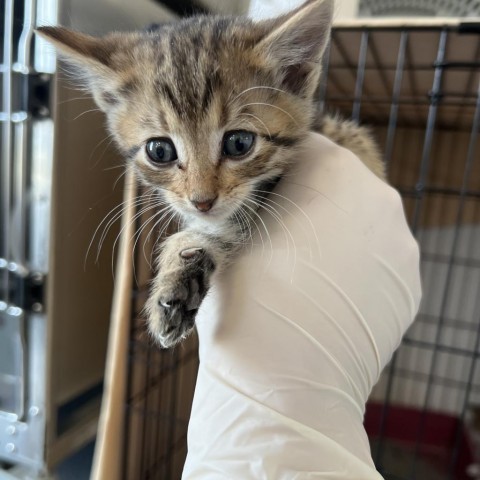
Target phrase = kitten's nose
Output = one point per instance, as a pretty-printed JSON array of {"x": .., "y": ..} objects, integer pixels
[{"x": 204, "y": 205}]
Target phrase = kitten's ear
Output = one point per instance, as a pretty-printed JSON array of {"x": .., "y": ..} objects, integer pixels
[
  {"x": 77, "y": 48},
  {"x": 91, "y": 58},
  {"x": 297, "y": 41}
]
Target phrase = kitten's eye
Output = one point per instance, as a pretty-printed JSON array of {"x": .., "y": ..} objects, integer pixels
[
  {"x": 238, "y": 144},
  {"x": 161, "y": 151}
]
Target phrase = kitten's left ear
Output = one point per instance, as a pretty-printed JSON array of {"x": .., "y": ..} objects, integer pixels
[{"x": 296, "y": 43}]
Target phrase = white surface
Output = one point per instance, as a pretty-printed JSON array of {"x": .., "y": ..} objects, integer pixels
[
  {"x": 292, "y": 340},
  {"x": 271, "y": 8}
]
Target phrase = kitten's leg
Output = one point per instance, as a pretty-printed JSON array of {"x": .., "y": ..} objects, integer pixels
[{"x": 185, "y": 265}]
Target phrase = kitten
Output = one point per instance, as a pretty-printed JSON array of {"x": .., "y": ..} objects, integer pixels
[{"x": 208, "y": 110}]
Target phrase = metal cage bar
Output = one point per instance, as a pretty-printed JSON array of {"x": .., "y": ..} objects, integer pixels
[{"x": 22, "y": 267}]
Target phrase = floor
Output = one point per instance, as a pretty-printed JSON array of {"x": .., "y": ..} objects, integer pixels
[{"x": 78, "y": 466}]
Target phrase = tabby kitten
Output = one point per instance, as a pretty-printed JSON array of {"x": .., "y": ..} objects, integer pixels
[{"x": 208, "y": 110}]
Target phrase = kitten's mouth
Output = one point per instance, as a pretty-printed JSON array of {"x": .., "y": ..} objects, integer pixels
[
  {"x": 215, "y": 213},
  {"x": 203, "y": 215},
  {"x": 220, "y": 212}
]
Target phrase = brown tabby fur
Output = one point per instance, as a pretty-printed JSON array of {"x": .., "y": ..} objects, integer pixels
[{"x": 193, "y": 81}]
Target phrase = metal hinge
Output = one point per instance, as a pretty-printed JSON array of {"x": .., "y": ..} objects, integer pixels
[
  {"x": 31, "y": 93},
  {"x": 22, "y": 288},
  {"x": 39, "y": 94}
]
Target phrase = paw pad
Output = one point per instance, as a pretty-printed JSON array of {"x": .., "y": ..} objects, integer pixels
[{"x": 190, "y": 253}]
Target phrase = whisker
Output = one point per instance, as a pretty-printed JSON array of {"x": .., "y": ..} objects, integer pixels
[
  {"x": 118, "y": 215},
  {"x": 84, "y": 113},
  {"x": 144, "y": 199},
  {"x": 261, "y": 121},
  {"x": 251, "y": 221},
  {"x": 273, "y": 106},
  {"x": 152, "y": 229},
  {"x": 246, "y": 221},
  {"x": 164, "y": 229},
  {"x": 112, "y": 138},
  {"x": 144, "y": 225},
  {"x": 139, "y": 202},
  {"x": 86, "y": 97},
  {"x": 246, "y": 224},
  {"x": 127, "y": 169},
  {"x": 116, "y": 167},
  {"x": 132, "y": 221},
  {"x": 139, "y": 232},
  {"x": 265, "y": 202},
  {"x": 320, "y": 193},
  {"x": 304, "y": 214},
  {"x": 255, "y": 223},
  {"x": 258, "y": 88},
  {"x": 249, "y": 122},
  {"x": 255, "y": 213},
  {"x": 242, "y": 225},
  {"x": 136, "y": 201},
  {"x": 271, "y": 210}
]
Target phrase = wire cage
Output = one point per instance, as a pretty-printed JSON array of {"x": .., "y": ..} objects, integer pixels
[
  {"x": 417, "y": 86},
  {"x": 430, "y": 8}
]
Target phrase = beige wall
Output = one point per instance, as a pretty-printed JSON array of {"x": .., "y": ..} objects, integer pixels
[
  {"x": 231, "y": 6},
  {"x": 346, "y": 9}
]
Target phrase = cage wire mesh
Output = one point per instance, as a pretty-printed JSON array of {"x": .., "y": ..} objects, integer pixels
[
  {"x": 418, "y": 88},
  {"x": 430, "y": 8}
]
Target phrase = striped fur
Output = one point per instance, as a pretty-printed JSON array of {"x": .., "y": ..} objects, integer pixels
[{"x": 191, "y": 82}]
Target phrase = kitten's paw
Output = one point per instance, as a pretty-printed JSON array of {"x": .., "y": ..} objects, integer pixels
[{"x": 177, "y": 294}]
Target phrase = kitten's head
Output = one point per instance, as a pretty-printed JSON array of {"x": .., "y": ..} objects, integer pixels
[{"x": 208, "y": 108}]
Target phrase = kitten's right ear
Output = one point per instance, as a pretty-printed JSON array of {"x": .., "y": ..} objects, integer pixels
[
  {"x": 91, "y": 57},
  {"x": 81, "y": 50}
]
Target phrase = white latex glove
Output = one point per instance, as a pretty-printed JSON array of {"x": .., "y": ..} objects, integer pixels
[{"x": 296, "y": 333}]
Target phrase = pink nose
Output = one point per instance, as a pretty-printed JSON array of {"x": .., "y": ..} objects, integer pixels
[{"x": 204, "y": 205}]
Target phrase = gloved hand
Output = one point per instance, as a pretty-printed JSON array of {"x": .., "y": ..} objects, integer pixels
[{"x": 295, "y": 334}]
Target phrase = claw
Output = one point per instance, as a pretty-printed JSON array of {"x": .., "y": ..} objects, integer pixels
[{"x": 178, "y": 293}]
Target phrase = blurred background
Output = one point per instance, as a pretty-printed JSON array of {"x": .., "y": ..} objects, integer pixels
[{"x": 410, "y": 69}]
